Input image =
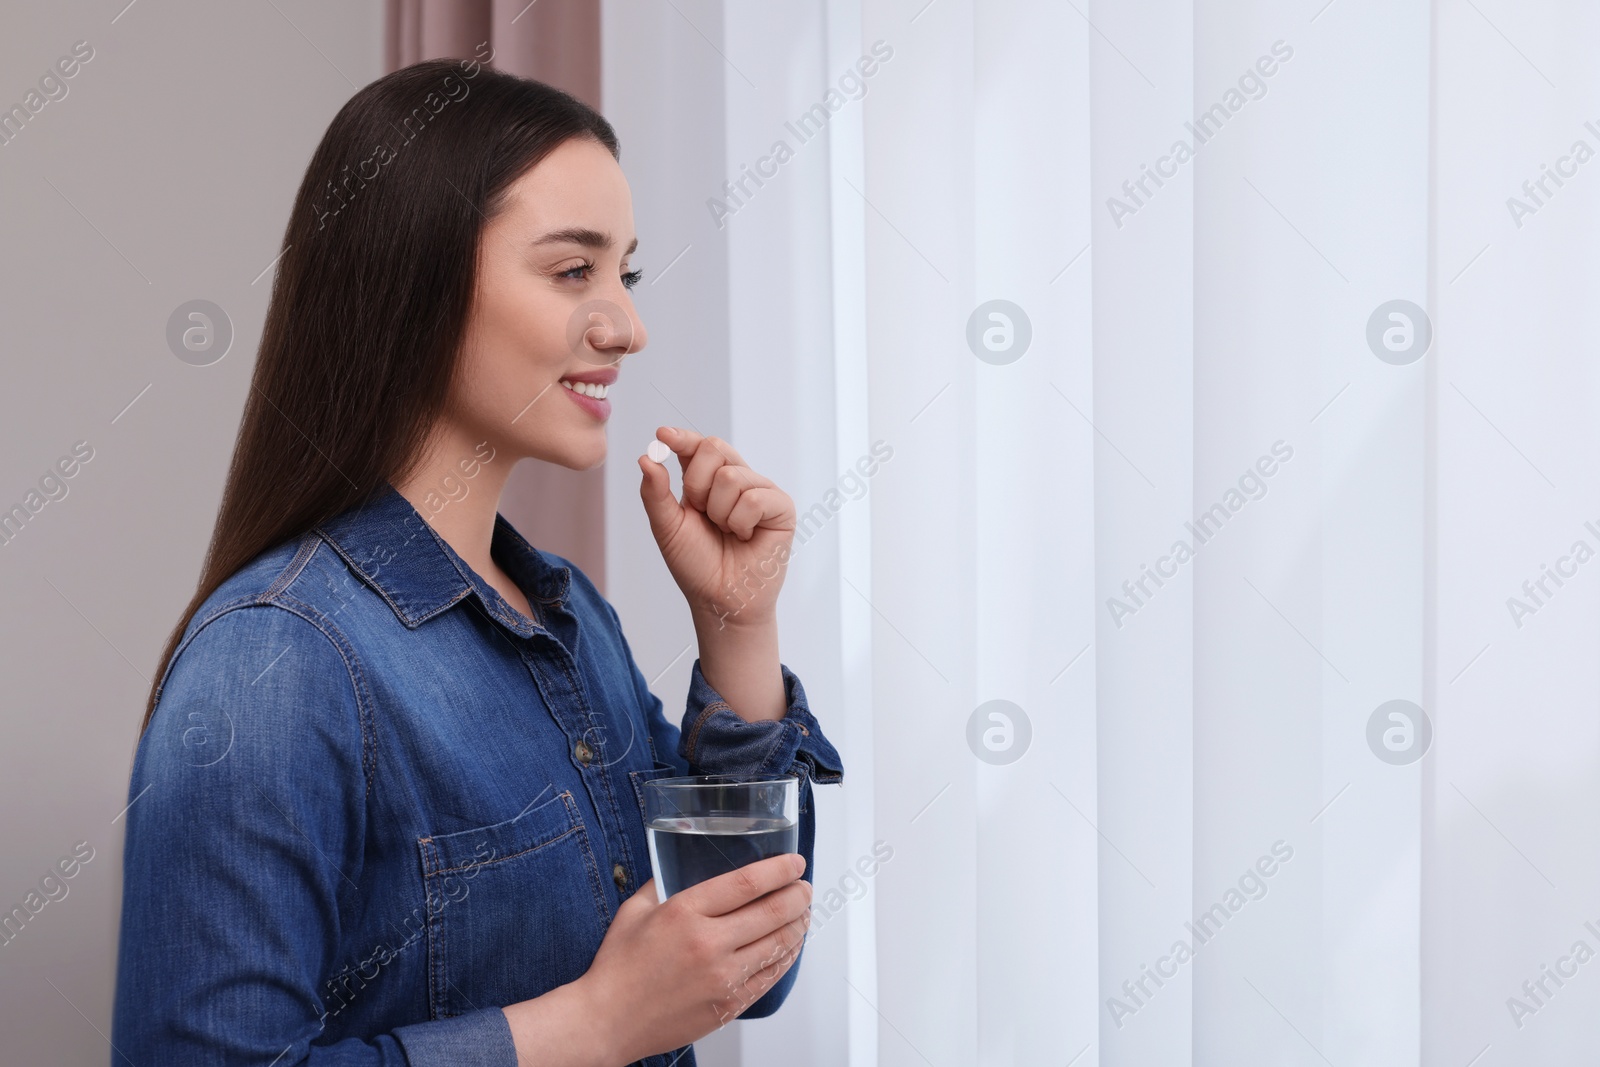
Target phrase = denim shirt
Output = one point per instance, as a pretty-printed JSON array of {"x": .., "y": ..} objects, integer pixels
[{"x": 375, "y": 803}]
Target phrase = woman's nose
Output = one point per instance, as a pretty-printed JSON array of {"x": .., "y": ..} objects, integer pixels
[
  {"x": 610, "y": 330},
  {"x": 621, "y": 333}
]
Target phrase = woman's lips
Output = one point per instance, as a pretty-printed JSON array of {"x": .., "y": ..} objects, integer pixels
[{"x": 597, "y": 406}]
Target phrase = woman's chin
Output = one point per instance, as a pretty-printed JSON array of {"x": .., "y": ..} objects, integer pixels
[{"x": 578, "y": 455}]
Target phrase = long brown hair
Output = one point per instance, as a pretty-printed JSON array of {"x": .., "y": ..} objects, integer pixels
[{"x": 371, "y": 298}]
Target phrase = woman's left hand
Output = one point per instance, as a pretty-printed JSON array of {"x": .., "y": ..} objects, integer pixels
[{"x": 727, "y": 542}]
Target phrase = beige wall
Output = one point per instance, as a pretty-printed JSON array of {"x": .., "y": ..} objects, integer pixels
[{"x": 164, "y": 175}]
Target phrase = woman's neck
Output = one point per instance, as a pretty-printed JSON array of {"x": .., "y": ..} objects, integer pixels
[{"x": 457, "y": 490}]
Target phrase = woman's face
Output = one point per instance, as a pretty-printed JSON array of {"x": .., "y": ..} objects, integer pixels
[{"x": 552, "y": 310}]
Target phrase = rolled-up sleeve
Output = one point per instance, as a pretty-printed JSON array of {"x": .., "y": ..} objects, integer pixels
[
  {"x": 715, "y": 740},
  {"x": 242, "y": 861}
]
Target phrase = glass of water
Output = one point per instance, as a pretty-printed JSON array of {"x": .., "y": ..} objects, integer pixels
[{"x": 710, "y": 824}]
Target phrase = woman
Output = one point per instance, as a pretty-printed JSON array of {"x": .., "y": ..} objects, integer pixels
[{"x": 387, "y": 805}]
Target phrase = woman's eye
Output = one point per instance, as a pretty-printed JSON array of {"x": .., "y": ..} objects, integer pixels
[{"x": 629, "y": 279}]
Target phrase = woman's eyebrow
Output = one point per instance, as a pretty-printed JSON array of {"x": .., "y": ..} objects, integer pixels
[{"x": 582, "y": 235}]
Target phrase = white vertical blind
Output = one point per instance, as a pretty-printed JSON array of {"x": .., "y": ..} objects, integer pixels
[
  {"x": 858, "y": 1021},
  {"x": 920, "y": 273},
  {"x": 1141, "y": 452},
  {"x": 1511, "y": 872},
  {"x": 1034, "y": 502},
  {"x": 1311, "y": 209}
]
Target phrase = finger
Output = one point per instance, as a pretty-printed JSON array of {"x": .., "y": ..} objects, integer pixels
[
  {"x": 767, "y": 508},
  {"x": 763, "y": 963},
  {"x": 758, "y": 919},
  {"x": 728, "y": 892},
  {"x": 699, "y": 472},
  {"x": 699, "y": 458},
  {"x": 686, "y": 442},
  {"x": 774, "y": 953},
  {"x": 758, "y": 971},
  {"x": 727, "y": 484},
  {"x": 660, "y": 506}
]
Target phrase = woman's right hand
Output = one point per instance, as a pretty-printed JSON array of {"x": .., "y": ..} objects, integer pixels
[
  {"x": 667, "y": 974},
  {"x": 672, "y": 973}
]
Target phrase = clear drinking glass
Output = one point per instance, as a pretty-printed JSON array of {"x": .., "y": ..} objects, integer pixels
[{"x": 710, "y": 824}]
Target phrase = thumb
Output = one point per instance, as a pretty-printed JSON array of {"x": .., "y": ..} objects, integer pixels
[{"x": 660, "y": 506}]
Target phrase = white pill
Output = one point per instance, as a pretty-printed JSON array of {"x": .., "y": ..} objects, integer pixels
[{"x": 658, "y": 451}]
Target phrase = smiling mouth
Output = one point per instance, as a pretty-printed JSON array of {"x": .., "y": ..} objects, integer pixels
[{"x": 590, "y": 389}]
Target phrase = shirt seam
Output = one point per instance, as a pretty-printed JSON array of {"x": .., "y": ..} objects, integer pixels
[
  {"x": 366, "y": 718},
  {"x": 705, "y": 713},
  {"x": 290, "y": 572}
]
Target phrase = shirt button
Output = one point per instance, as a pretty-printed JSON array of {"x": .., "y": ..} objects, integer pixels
[
  {"x": 583, "y": 752},
  {"x": 619, "y": 876},
  {"x": 803, "y": 729}
]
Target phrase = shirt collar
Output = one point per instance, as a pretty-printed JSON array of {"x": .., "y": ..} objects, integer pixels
[{"x": 399, "y": 555}]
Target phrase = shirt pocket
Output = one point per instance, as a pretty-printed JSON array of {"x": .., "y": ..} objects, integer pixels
[
  {"x": 515, "y": 908},
  {"x": 639, "y": 778}
]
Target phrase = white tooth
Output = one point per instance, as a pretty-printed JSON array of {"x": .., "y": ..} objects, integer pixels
[
  {"x": 566, "y": 383},
  {"x": 588, "y": 389},
  {"x": 602, "y": 391}
]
